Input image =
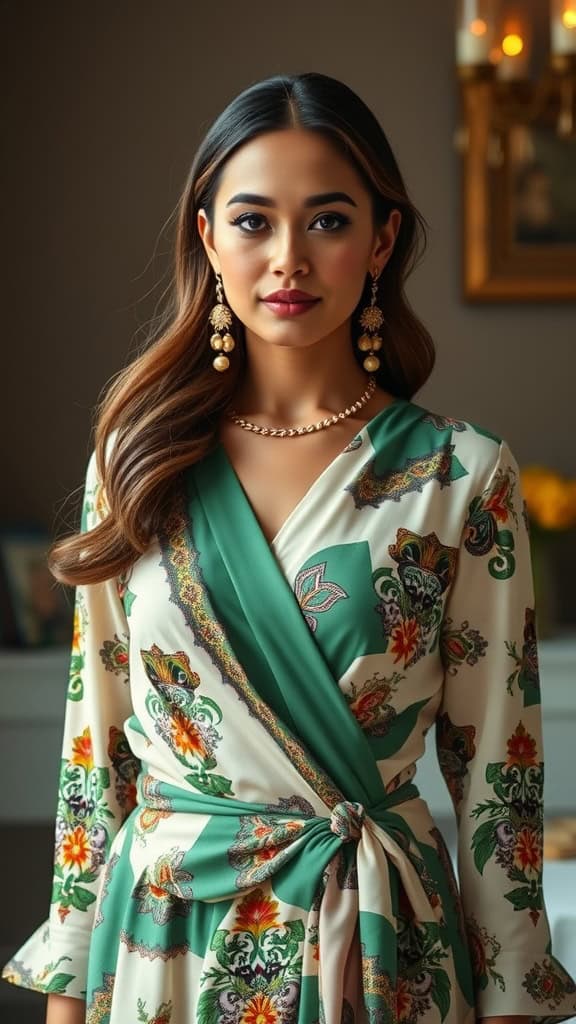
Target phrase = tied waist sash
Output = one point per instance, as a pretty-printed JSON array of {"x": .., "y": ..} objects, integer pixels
[{"x": 239, "y": 845}]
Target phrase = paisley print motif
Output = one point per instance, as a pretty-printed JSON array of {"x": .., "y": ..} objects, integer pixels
[
  {"x": 484, "y": 531},
  {"x": 526, "y": 673},
  {"x": 548, "y": 983},
  {"x": 460, "y": 645},
  {"x": 114, "y": 654},
  {"x": 370, "y": 703},
  {"x": 186, "y": 720},
  {"x": 257, "y": 975},
  {"x": 513, "y": 832},
  {"x": 455, "y": 745},
  {"x": 239, "y": 822},
  {"x": 484, "y": 950},
  {"x": 315, "y": 594},
  {"x": 411, "y": 606},
  {"x": 371, "y": 488}
]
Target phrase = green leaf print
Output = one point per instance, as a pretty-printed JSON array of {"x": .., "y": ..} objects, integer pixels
[
  {"x": 59, "y": 983},
  {"x": 441, "y": 992},
  {"x": 81, "y": 898},
  {"x": 525, "y": 899},
  {"x": 484, "y": 844}
]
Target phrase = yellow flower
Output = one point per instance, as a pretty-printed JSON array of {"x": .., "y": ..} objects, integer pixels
[
  {"x": 82, "y": 752},
  {"x": 550, "y": 498}
]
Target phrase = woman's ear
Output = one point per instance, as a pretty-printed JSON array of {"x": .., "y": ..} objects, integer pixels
[
  {"x": 386, "y": 238},
  {"x": 207, "y": 238}
]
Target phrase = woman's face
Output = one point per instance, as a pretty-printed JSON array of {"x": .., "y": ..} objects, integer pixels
[{"x": 289, "y": 233}]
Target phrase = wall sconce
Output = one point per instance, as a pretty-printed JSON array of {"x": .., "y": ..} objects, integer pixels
[
  {"x": 494, "y": 44},
  {"x": 517, "y": 141}
]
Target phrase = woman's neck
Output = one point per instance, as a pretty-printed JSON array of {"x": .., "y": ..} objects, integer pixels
[{"x": 297, "y": 385}]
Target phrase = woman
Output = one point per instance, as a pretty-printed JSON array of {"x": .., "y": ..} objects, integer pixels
[{"x": 268, "y": 622}]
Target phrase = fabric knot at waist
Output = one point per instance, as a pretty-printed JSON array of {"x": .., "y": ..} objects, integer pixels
[{"x": 346, "y": 820}]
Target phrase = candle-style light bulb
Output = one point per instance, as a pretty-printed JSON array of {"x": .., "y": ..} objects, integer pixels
[
  {"x": 563, "y": 27},
  {"x": 514, "y": 45},
  {"x": 474, "y": 32}
]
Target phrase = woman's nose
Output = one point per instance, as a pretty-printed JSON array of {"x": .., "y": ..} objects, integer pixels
[{"x": 288, "y": 253}]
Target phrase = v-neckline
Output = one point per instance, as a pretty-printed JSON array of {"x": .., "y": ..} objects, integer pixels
[{"x": 272, "y": 544}]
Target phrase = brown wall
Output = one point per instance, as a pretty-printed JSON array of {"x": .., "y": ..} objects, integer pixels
[{"x": 104, "y": 105}]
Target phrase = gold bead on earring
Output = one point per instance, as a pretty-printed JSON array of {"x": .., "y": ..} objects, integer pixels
[
  {"x": 221, "y": 319},
  {"x": 372, "y": 318}
]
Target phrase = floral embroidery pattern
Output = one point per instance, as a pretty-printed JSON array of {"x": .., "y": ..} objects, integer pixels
[
  {"x": 484, "y": 951},
  {"x": 455, "y": 746},
  {"x": 460, "y": 645},
  {"x": 378, "y": 986},
  {"x": 106, "y": 879},
  {"x": 257, "y": 980},
  {"x": 100, "y": 1005},
  {"x": 443, "y": 422},
  {"x": 354, "y": 444},
  {"x": 185, "y": 719},
  {"x": 156, "y": 807},
  {"x": 114, "y": 655},
  {"x": 513, "y": 831},
  {"x": 17, "y": 974},
  {"x": 165, "y": 891},
  {"x": 76, "y": 682},
  {"x": 411, "y": 606},
  {"x": 126, "y": 595},
  {"x": 368, "y": 703},
  {"x": 163, "y": 1014},
  {"x": 372, "y": 489},
  {"x": 547, "y": 982},
  {"x": 315, "y": 594},
  {"x": 261, "y": 846},
  {"x": 126, "y": 768},
  {"x": 82, "y": 830},
  {"x": 446, "y": 862},
  {"x": 526, "y": 673},
  {"x": 181, "y": 562},
  {"x": 421, "y": 979},
  {"x": 164, "y": 951},
  {"x": 481, "y": 532}
]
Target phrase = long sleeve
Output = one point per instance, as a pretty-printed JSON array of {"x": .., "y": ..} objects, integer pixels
[
  {"x": 489, "y": 742},
  {"x": 96, "y": 781}
]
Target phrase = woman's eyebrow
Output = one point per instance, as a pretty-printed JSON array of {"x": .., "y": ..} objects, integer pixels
[{"x": 318, "y": 200}]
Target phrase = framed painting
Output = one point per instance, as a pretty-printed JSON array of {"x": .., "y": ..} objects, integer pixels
[
  {"x": 519, "y": 204},
  {"x": 36, "y": 610}
]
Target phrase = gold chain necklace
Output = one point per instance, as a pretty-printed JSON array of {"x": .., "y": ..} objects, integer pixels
[{"x": 337, "y": 417}]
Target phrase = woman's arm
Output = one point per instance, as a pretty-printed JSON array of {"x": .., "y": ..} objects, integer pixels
[
  {"x": 489, "y": 739},
  {"x": 65, "y": 1010},
  {"x": 94, "y": 793}
]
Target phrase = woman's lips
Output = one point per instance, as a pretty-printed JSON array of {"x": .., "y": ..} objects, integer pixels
[{"x": 290, "y": 308}]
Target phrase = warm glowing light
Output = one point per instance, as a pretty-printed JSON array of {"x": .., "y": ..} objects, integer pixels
[
  {"x": 512, "y": 45},
  {"x": 569, "y": 19},
  {"x": 478, "y": 27}
]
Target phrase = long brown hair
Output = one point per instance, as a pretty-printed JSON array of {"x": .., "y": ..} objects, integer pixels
[{"x": 164, "y": 407}]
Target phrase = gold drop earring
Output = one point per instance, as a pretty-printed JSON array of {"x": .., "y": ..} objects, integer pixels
[
  {"x": 372, "y": 318},
  {"x": 221, "y": 319}
]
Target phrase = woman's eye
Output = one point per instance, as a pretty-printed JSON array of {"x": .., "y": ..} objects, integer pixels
[
  {"x": 338, "y": 217},
  {"x": 244, "y": 218},
  {"x": 338, "y": 220}
]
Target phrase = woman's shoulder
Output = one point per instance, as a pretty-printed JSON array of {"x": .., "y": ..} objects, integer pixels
[{"x": 476, "y": 446}]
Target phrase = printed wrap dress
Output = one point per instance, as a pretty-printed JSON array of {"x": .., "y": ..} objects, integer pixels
[{"x": 239, "y": 834}]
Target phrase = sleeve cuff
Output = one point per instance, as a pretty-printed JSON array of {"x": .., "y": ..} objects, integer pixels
[
  {"x": 46, "y": 964},
  {"x": 524, "y": 983}
]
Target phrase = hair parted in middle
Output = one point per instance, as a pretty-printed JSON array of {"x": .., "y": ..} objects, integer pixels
[{"x": 163, "y": 408}]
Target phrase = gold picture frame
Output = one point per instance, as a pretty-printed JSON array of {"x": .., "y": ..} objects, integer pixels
[{"x": 519, "y": 205}]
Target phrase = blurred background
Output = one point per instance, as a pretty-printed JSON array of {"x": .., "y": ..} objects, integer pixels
[{"x": 103, "y": 106}]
